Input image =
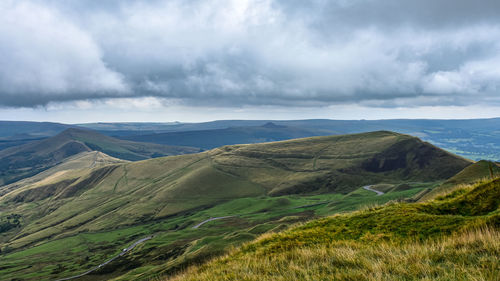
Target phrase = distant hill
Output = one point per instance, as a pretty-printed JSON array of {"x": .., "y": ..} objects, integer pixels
[
  {"x": 31, "y": 158},
  {"x": 14, "y": 133},
  {"x": 25, "y": 129},
  {"x": 471, "y": 138},
  {"x": 208, "y": 139}
]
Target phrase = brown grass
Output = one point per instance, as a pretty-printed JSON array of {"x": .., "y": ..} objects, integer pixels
[{"x": 472, "y": 255}]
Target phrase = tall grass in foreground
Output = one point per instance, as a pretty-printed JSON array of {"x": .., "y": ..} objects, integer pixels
[{"x": 472, "y": 255}]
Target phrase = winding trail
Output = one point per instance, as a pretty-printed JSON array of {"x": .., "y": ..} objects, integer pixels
[
  {"x": 368, "y": 187},
  {"x": 226, "y": 217},
  {"x": 211, "y": 219},
  {"x": 108, "y": 261}
]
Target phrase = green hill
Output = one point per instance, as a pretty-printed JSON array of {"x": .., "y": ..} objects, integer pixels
[
  {"x": 98, "y": 210},
  {"x": 31, "y": 158},
  {"x": 453, "y": 238},
  {"x": 471, "y": 174},
  {"x": 70, "y": 167}
]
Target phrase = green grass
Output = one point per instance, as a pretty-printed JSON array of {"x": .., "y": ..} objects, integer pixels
[{"x": 452, "y": 238}]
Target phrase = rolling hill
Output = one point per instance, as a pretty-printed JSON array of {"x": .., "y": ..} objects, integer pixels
[
  {"x": 68, "y": 168},
  {"x": 263, "y": 186},
  {"x": 29, "y": 159},
  {"x": 456, "y": 237}
]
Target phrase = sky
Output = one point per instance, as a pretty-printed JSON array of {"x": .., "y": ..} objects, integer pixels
[{"x": 77, "y": 61}]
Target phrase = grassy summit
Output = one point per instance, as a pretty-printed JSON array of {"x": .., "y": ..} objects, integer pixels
[{"x": 455, "y": 237}]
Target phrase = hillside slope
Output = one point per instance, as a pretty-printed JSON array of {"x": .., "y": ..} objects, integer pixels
[
  {"x": 471, "y": 174},
  {"x": 393, "y": 242},
  {"x": 72, "y": 166},
  {"x": 31, "y": 158}
]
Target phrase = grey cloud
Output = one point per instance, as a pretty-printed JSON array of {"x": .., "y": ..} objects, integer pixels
[
  {"x": 392, "y": 13},
  {"x": 234, "y": 52}
]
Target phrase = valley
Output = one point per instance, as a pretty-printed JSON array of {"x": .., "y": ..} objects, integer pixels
[{"x": 72, "y": 220}]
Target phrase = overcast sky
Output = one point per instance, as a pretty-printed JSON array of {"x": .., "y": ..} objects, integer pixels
[{"x": 193, "y": 60}]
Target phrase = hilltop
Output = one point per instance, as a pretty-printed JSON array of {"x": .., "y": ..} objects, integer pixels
[
  {"x": 452, "y": 238},
  {"x": 70, "y": 167},
  {"x": 259, "y": 183},
  {"x": 29, "y": 159}
]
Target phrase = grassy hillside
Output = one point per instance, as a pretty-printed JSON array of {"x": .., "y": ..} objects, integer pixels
[
  {"x": 476, "y": 172},
  {"x": 456, "y": 237},
  {"x": 29, "y": 159},
  {"x": 72, "y": 166},
  {"x": 264, "y": 186}
]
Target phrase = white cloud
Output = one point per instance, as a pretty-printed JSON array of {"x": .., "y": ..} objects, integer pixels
[{"x": 44, "y": 56}]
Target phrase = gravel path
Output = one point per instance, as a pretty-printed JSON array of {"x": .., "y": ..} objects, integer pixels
[
  {"x": 211, "y": 219},
  {"x": 368, "y": 187}
]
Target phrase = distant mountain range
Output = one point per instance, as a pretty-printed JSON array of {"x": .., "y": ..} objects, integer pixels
[
  {"x": 474, "y": 139},
  {"x": 208, "y": 139}
]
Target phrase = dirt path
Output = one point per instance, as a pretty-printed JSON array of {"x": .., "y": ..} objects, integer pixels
[
  {"x": 368, "y": 187},
  {"x": 211, "y": 219}
]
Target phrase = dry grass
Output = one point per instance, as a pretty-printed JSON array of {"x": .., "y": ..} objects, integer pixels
[{"x": 470, "y": 255}]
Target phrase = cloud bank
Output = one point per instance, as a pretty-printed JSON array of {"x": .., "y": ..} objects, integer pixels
[{"x": 240, "y": 52}]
